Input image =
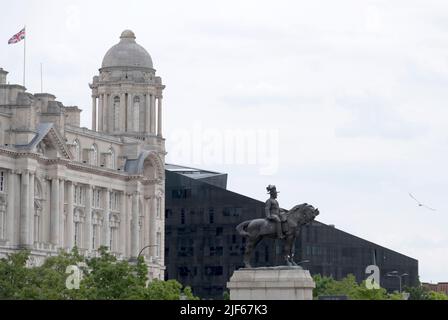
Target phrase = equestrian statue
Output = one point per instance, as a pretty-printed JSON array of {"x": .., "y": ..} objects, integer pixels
[{"x": 278, "y": 224}]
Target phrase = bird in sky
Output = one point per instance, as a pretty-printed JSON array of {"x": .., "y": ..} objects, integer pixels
[{"x": 421, "y": 204}]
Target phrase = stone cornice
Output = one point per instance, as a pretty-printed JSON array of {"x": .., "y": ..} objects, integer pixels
[{"x": 77, "y": 166}]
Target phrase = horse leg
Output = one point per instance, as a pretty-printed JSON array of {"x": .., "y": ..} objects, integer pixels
[
  {"x": 250, "y": 247},
  {"x": 292, "y": 252},
  {"x": 288, "y": 251}
]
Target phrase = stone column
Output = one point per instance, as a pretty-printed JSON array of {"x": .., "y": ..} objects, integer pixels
[
  {"x": 70, "y": 236},
  {"x": 134, "y": 226},
  {"x": 152, "y": 114},
  {"x": 31, "y": 211},
  {"x": 94, "y": 113},
  {"x": 110, "y": 113},
  {"x": 106, "y": 220},
  {"x": 54, "y": 205},
  {"x": 153, "y": 227},
  {"x": 24, "y": 209},
  {"x": 128, "y": 215},
  {"x": 100, "y": 113},
  {"x": 122, "y": 112},
  {"x": 88, "y": 227},
  {"x": 129, "y": 116},
  {"x": 146, "y": 225},
  {"x": 147, "y": 112},
  {"x": 123, "y": 220},
  {"x": 161, "y": 224},
  {"x": 159, "y": 117},
  {"x": 12, "y": 177},
  {"x": 105, "y": 111},
  {"x": 62, "y": 215}
]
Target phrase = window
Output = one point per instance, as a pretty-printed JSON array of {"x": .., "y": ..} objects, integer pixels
[
  {"x": 136, "y": 113},
  {"x": 114, "y": 201},
  {"x": 2, "y": 181},
  {"x": 94, "y": 159},
  {"x": 94, "y": 231},
  {"x": 159, "y": 243},
  {"x": 79, "y": 195},
  {"x": 112, "y": 158},
  {"x": 96, "y": 199},
  {"x": 213, "y": 271},
  {"x": 181, "y": 193},
  {"x": 117, "y": 201},
  {"x": 116, "y": 110},
  {"x": 159, "y": 205},
  {"x": 211, "y": 215},
  {"x": 77, "y": 234},
  {"x": 76, "y": 149},
  {"x": 182, "y": 216}
]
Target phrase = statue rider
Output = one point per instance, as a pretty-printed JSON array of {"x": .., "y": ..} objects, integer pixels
[{"x": 273, "y": 210}]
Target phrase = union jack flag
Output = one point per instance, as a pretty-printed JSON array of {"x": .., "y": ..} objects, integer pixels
[{"x": 17, "y": 37}]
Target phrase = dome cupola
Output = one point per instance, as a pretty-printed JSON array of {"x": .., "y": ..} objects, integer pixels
[{"x": 127, "y": 54}]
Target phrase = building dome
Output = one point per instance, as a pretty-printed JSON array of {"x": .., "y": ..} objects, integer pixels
[{"x": 127, "y": 53}]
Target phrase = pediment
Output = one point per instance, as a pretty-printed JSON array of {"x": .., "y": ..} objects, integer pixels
[{"x": 51, "y": 144}]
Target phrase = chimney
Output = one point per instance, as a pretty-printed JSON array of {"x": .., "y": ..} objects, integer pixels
[{"x": 3, "y": 74}]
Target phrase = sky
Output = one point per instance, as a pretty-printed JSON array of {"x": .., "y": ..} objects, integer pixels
[{"x": 340, "y": 104}]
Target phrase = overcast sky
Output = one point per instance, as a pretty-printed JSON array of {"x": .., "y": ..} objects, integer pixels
[{"x": 344, "y": 103}]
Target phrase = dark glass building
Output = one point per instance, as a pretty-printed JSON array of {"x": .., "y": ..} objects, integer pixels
[{"x": 202, "y": 248}]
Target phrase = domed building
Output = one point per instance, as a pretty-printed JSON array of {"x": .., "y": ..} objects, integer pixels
[{"x": 63, "y": 186}]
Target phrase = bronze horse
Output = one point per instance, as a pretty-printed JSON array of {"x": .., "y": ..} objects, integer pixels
[{"x": 257, "y": 229}]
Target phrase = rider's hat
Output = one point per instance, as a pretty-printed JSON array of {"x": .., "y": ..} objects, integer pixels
[{"x": 271, "y": 189}]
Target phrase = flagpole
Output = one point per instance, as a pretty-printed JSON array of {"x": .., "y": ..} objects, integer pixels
[{"x": 24, "y": 56}]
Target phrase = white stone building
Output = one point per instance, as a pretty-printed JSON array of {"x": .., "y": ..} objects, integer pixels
[{"x": 62, "y": 185}]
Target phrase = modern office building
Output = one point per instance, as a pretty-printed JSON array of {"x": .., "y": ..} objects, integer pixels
[{"x": 202, "y": 248}]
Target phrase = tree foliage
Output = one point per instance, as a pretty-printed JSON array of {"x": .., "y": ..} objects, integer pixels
[
  {"x": 421, "y": 293},
  {"x": 327, "y": 286},
  {"x": 103, "y": 277}
]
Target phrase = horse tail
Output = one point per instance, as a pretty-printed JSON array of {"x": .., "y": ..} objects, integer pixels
[{"x": 241, "y": 228}]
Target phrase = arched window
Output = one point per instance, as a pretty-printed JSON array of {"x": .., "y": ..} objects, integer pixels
[
  {"x": 112, "y": 158},
  {"x": 76, "y": 149},
  {"x": 116, "y": 111},
  {"x": 136, "y": 113},
  {"x": 94, "y": 158}
]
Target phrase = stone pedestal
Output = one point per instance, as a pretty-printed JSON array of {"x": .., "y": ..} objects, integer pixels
[{"x": 271, "y": 283}]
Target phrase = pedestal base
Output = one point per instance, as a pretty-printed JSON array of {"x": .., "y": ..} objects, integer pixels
[{"x": 271, "y": 283}]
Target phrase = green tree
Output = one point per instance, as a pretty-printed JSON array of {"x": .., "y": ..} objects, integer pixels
[
  {"x": 350, "y": 288},
  {"x": 432, "y": 295},
  {"x": 103, "y": 277}
]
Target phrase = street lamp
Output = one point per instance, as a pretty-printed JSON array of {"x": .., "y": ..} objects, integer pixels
[
  {"x": 149, "y": 246},
  {"x": 399, "y": 276}
]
